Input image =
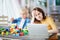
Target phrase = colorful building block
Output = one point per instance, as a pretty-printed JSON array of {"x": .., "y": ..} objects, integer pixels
[
  {"x": 7, "y": 33},
  {"x": 18, "y": 31},
  {"x": 17, "y": 34},
  {"x": 2, "y": 33},
  {"x": 25, "y": 32},
  {"x": 7, "y": 29},
  {"x": 14, "y": 34},
  {"x": 21, "y": 34},
  {"x": 13, "y": 25},
  {"x": 12, "y": 30},
  {"x": 2, "y": 29}
]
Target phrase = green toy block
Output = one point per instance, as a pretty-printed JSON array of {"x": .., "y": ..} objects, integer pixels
[
  {"x": 25, "y": 32},
  {"x": 0, "y": 32},
  {"x": 7, "y": 33}
]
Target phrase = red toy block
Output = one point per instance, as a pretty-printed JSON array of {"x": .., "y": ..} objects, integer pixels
[{"x": 21, "y": 34}]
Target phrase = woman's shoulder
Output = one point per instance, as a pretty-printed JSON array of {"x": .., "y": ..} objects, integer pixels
[{"x": 49, "y": 19}]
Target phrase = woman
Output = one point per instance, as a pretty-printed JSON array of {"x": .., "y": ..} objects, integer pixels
[{"x": 39, "y": 17}]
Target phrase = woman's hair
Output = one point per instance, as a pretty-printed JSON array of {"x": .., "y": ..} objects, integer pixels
[{"x": 41, "y": 11}]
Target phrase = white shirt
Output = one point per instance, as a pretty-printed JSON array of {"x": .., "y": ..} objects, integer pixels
[{"x": 21, "y": 23}]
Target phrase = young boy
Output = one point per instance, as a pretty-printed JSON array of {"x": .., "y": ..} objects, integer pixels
[{"x": 23, "y": 20}]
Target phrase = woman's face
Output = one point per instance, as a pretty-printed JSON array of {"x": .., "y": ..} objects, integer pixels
[{"x": 38, "y": 15}]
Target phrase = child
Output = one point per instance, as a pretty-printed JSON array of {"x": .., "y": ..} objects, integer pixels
[{"x": 23, "y": 20}]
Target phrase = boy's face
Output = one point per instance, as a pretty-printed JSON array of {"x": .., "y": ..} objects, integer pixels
[{"x": 24, "y": 15}]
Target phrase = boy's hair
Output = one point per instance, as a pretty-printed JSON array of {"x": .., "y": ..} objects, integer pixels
[{"x": 24, "y": 10}]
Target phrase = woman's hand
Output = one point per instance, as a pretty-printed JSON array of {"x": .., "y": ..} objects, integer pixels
[
  {"x": 33, "y": 16},
  {"x": 53, "y": 31},
  {"x": 33, "y": 13}
]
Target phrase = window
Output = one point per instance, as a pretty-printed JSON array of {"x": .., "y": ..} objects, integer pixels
[{"x": 57, "y": 2}]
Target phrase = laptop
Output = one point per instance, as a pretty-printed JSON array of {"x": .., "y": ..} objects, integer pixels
[{"x": 38, "y": 31}]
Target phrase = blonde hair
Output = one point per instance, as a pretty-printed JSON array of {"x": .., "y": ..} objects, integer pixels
[{"x": 24, "y": 11}]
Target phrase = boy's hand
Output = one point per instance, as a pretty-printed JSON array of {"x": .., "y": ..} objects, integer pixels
[{"x": 11, "y": 19}]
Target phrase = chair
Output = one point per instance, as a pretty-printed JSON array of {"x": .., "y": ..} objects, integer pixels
[{"x": 3, "y": 20}]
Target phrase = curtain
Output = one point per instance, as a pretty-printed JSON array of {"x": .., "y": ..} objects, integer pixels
[{"x": 10, "y": 8}]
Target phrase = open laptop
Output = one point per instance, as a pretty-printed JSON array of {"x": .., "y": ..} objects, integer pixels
[{"x": 38, "y": 31}]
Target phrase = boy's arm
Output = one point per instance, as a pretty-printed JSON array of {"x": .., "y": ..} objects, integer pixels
[
  {"x": 28, "y": 20},
  {"x": 14, "y": 20}
]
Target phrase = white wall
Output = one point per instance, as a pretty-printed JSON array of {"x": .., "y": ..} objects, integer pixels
[
  {"x": 10, "y": 8},
  {"x": 0, "y": 7}
]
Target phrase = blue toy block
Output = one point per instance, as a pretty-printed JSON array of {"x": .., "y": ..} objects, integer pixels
[
  {"x": 14, "y": 34},
  {"x": 17, "y": 34},
  {"x": 18, "y": 31},
  {"x": 7, "y": 29}
]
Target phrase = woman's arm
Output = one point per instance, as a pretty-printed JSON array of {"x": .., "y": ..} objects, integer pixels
[
  {"x": 32, "y": 20},
  {"x": 53, "y": 25},
  {"x": 33, "y": 16}
]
